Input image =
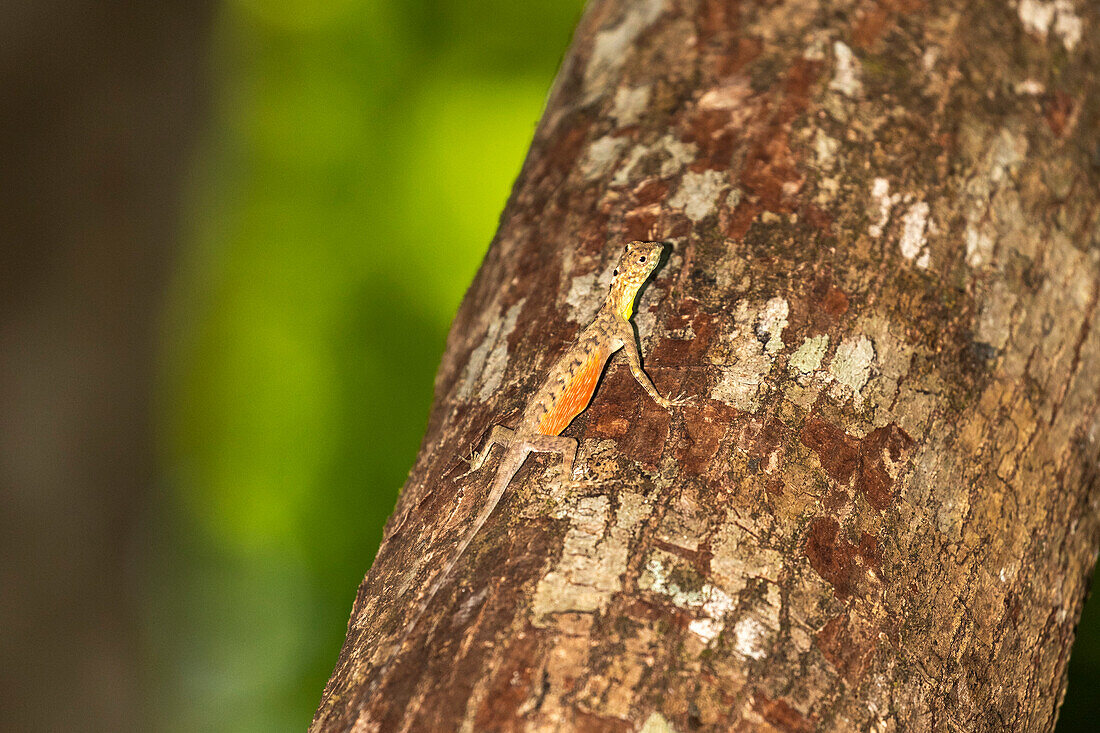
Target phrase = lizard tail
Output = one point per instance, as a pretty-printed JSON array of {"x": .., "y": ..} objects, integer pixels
[{"x": 508, "y": 467}]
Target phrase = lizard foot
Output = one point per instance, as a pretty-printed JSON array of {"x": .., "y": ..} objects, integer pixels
[
  {"x": 469, "y": 461},
  {"x": 681, "y": 399}
]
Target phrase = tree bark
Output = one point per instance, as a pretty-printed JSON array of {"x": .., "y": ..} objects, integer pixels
[{"x": 880, "y": 511}]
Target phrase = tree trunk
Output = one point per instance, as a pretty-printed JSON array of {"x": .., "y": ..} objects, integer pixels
[{"x": 880, "y": 511}]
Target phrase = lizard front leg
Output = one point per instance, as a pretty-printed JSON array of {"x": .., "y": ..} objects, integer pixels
[
  {"x": 634, "y": 358},
  {"x": 566, "y": 447}
]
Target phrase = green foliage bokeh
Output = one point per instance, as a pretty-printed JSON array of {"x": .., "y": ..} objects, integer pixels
[{"x": 357, "y": 161}]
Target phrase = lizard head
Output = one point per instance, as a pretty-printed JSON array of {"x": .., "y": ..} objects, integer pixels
[{"x": 637, "y": 263}]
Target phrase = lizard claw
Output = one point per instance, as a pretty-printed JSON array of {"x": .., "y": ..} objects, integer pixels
[
  {"x": 681, "y": 399},
  {"x": 469, "y": 461}
]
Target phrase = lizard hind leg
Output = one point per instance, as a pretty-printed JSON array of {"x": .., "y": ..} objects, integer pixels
[
  {"x": 499, "y": 435},
  {"x": 566, "y": 447}
]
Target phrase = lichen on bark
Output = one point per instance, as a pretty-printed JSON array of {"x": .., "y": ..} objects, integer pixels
[{"x": 879, "y": 512}]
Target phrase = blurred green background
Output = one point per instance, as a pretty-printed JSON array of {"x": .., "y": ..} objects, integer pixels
[
  {"x": 207, "y": 408},
  {"x": 352, "y": 176}
]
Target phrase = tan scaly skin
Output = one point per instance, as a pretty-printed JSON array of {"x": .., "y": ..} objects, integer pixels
[{"x": 564, "y": 393}]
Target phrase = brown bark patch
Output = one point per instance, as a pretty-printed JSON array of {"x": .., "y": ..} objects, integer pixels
[
  {"x": 641, "y": 223},
  {"x": 563, "y": 150},
  {"x": 510, "y": 686},
  {"x": 698, "y": 559},
  {"x": 827, "y": 303},
  {"x": 838, "y": 560},
  {"x": 650, "y": 191},
  {"x": 780, "y": 714},
  {"x": 705, "y": 427},
  {"x": 818, "y": 218},
  {"x": 742, "y": 53},
  {"x": 686, "y": 351},
  {"x": 640, "y": 440},
  {"x": 1059, "y": 111},
  {"x": 741, "y": 219},
  {"x": 714, "y": 133},
  {"x": 882, "y": 448},
  {"x": 771, "y": 172},
  {"x": 761, "y": 438},
  {"x": 903, "y": 6},
  {"x": 600, "y": 723},
  {"x": 592, "y": 235},
  {"x": 835, "y": 302},
  {"x": 836, "y": 450},
  {"x": 869, "y": 28},
  {"x": 847, "y": 645},
  {"x": 715, "y": 17},
  {"x": 872, "y": 461}
]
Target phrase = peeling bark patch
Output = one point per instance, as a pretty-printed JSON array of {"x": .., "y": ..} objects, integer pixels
[
  {"x": 698, "y": 193},
  {"x": 846, "y": 76},
  {"x": 883, "y": 202},
  {"x": 593, "y": 557},
  {"x": 913, "y": 241},
  {"x": 851, "y": 364},
  {"x": 582, "y": 299},
  {"x": 748, "y": 638},
  {"x": 630, "y": 104},
  {"x": 807, "y": 358},
  {"x": 739, "y": 385},
  {"x": 731, "y": 95},
  {"x": 656, "y": 723},
  {"x": 602, "y": 154},
  {"x": 994, "y": 324},
  {"x": 612, "y": 46},
  {"x": 746, "y": 356},
  {"x": 485, "y": 368},
  {"x": 998, "y": 163},
  {"x": 739, "y": 558},
  {"x": 836, "y": 559},
  {"x": 770, "y": 324},
  {"x": 672, "y": 154},
  {"x": 1057, "y": 16},
  {"x": 825, "y": 150},
  {"x": 685, "y": 589}
]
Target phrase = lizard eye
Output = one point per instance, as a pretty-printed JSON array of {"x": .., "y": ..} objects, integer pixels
[
  {"x": 616, "y": 273},
  {"x": 641, "y": 259}
]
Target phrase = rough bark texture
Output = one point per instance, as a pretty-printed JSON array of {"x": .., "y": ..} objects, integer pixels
[{"x": 880, "y": 513}]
